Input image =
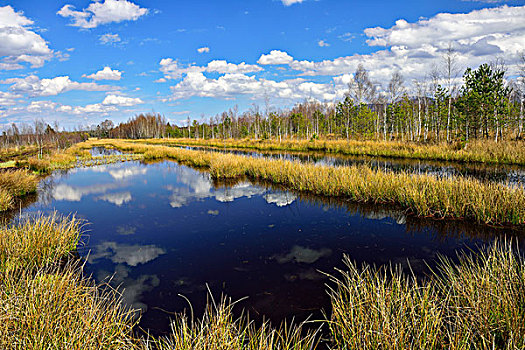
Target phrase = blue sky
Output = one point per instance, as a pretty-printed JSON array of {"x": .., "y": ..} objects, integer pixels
[{"x": 80, "y": 62}]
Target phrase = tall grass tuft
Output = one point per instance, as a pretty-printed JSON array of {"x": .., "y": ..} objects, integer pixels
[
  {"x": 18, "y": 182},
  {"x": 46, "y": 305},
  {"x": 478, "y": 303},
  {"x": 57, "y": 309},
  {"x": 14, "y": 184},
  {"x": 218, "y": 329},
  {"x": 6, "y": 200},
  {"x": 38, "y": 242}
]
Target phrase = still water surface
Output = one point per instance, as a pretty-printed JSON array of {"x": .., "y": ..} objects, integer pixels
[{"x": 162, "y": 229}]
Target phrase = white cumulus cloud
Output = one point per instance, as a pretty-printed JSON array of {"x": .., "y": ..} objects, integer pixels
[
  {"x": 221, "y": 66},
  {"x": 172, "y": 69},
  {"x": 204, "y": 49},
  {"x": 230, "y": 85},
  {"x": 18, "y": 43},
  {"x": 107, "y": 11},
  {"x": 275, "y": 57},
  {"x": 34, "y": 86},
  {"x": 105, "y": 74},
  {"x": 118, "y": 100}
]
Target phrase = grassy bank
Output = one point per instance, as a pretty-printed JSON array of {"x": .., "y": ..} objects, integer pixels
[
  {"x": 484, "y": 151},
  {"x": 15, "y": 153},
  {"x": 75, "y": 156},
  {"x": 15, "y": 184},
  {"x": 48, "y": 305},
  {"x": 423, "y": 195}
]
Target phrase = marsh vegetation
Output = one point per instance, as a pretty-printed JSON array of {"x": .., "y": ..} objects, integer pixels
[{"x": 475, "y": 301}]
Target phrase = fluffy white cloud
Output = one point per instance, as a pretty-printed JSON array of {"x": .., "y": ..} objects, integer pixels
[
  {"x": 34, "y": 86},
  {"x": 323, "y": 43},
  {"x": 118, "y": 100},
  {"x": 275, "y": 57},
  {"x": 414, "y": 48},
  {"x": 18, "y": 44},
  {"x": 95, "y": 108},
  {"x": 105, "y": 74},
  {"x": 98, "y": 13},
  {"x": 89, "y": 113},
  {"x": 444, "y": 28},
  {"x": 109, "y": 38},
  {"x": 203, "y": 49},
  {"x": 221, "y": 66},
  {"x": 230, "y": 85},
  {"x": 291, "y": 2},
  {"x": 173, "y": 70}
]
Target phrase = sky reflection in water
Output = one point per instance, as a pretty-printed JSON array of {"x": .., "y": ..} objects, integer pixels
[{"x": 162, "y": 229}]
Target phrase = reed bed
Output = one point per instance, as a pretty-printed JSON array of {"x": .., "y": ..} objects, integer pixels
[
  {"x": 481, "y": 151},
  {"x": 38, "y": 241},
  {"x": 57, "y": 309},
  {"x": 423, "y": 195},
  {"x": 14, "y": 184},
  {"x": 18, "y": 152},
  {"x": 46, "y": 303},
  {"x": 478, "y": 303},
  {"x": 75, "y": 156}
]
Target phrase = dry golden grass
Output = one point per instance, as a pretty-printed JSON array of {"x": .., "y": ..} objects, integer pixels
[
  {"x": 478, "y": 303},
  {"x": 14, "y": 184},
  {"x": 44, "y": 305},
  {"x": 57, "y": 309},
  {"x": 38, "y": 241},
  {"x": 483, "y": 151},
  {"x": 18, "y": 152}
]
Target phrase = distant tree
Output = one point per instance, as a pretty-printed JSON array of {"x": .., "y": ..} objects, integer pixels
[{"x": 484, "y": 98}]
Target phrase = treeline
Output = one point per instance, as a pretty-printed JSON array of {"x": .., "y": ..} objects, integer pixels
[
  {"x": 484, "y": 105},
  {"x": 40, "y": 134}
]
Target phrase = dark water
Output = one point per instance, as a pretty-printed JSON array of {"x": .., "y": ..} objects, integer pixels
[
  {"x": 512, "y": 175},
  {"x": 162, "y": 230}
]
